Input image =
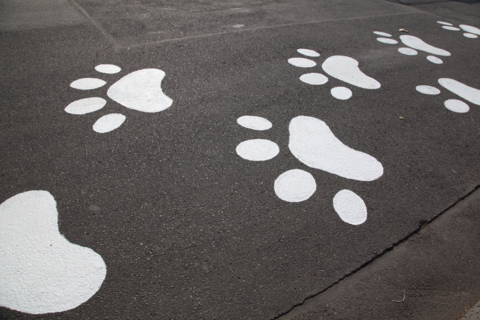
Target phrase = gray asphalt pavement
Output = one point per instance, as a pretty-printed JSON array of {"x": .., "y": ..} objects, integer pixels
[{"x": 177, "y": 220}]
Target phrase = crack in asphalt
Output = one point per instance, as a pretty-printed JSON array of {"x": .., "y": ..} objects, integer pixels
[{"x": 422, "y": 224}]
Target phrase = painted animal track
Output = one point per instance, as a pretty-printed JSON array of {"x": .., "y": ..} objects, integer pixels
[
  {"x": 468, "y": 93},
  {"x": 314, "y": 144},
  {"x": 340, "y": 67},
  {"x": 140, "y": 90},
  {"x": 40, "y": 270},
  {"x": 414, "y": 44},
  {"x": 471, "y": 32}
]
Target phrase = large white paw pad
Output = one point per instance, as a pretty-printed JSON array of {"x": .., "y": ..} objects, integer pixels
[
  {"x": 141, "y": 91},
  {"x": 40, "y": 270},
  {"x": 314, "y": 144}
]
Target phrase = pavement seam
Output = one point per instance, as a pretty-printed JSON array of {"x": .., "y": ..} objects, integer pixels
[
  {"x": 417, "y": 3},
  {"x": 264, "y": 28},
  {"x": 109, "y": 37},
  {"x": 422, "y": 225},
  {"x": 414, "y": 5}
]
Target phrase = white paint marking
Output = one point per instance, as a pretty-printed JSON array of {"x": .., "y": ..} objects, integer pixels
[
  {"x": 258, "y": 150},
  {"x": 457, "y": 106},
  {"x": 462, "y": 90},
  {"x": 428, "y": 90},
  {"x": 313, "y": 143},
  {"x": 314, "y": 78},
  {"x": 295, "y": 185},
  {"x": 309, "y": 53},
  {"x": 451, "y": 28},
  {"x": 383, "y": 34},
  {"x": 302, "y": 62},
  {"x": 434, "y": 59},
  {"x": 407, "y": 51},
  {"x": 419, "y": 44},
  {"x": 254, "y": 123},
  {"x": 470, "y": 29},
  {"x": 387, "y": 40},
  {"x": 341, "y": 93},
  {"x": 108, "y": 68},
  {"x": 470, "y": 35},
  {"x": 350, "y": 207},
  {"x": 346, "y": 69},
  {"x": 445, "y": 23},
  {"x": 86, "y": 105},
  {"x": 41, "y": 271},
  {"x": 238, "y": 26},
  {"x": 109, "y": 122},
  {"x": 87, "y": 84},
  {"x": 141, "y": 90}
]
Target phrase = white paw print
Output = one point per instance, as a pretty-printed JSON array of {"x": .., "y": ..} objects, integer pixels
[
  {"x": 462, "y": 90},
  {"x": 40, "y": 270},
  {"x": 340, "y": 67},
  {"x": 471, "y": 31},
  {"x": 414, "y": 44},
  {"x": 313, "y": 143},
  {"x": 140, "y": 90}
]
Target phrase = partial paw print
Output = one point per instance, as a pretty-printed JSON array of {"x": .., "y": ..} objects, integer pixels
[
  {"x": 140, "y": 90},
  {"x": 314, "y": 144},
  {"x": 462, "y": 90},
  {"x": 41, "y": 271},
  {"x": 413, "y": 44},
  {"x": 340, "y": 67},
  {"x": 471, "y": 32}
]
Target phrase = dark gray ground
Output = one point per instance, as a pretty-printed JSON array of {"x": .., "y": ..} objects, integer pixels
[{"x": 188, "y": 229}]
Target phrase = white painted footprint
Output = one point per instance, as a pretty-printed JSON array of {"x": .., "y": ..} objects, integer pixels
[
  {"x": 468, "y": 93},
  {"x": 40, "y": 270},
  {"x": 340, "y": 67},
  {"x": 140, "y": 90},
  {"x": 471, "y": 32},
  {"x": 313, "y": 143},
  {"x": 414, "y": 44}
]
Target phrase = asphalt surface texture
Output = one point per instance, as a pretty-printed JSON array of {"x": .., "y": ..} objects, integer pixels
[{"x": 190, "y": 230}]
